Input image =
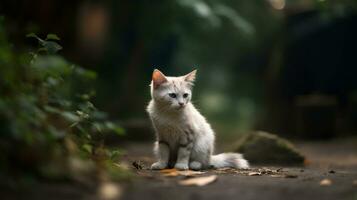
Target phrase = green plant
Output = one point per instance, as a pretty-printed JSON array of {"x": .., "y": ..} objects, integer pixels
[{"x": 46, "y": 113}]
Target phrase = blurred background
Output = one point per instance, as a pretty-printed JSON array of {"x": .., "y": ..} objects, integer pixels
[
  {"x": 72, "y": 70},
  {"x": 283, "y": 66}
]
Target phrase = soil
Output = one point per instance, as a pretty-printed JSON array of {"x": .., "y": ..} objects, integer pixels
[{"x": 334, "y": 160}]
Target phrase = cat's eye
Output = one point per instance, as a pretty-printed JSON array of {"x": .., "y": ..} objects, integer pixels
[
  {"x": 172, "y": 95},
  {"x": 185, "y": 95}
]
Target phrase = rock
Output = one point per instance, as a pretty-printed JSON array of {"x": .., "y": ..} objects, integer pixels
[{"x": 265, "y": 148}]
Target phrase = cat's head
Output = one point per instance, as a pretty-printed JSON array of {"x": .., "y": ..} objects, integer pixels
[{"x": 172, "y": 92}]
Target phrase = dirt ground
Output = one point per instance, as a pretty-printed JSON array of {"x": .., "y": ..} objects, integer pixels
[{"x": 334, "y": 160}]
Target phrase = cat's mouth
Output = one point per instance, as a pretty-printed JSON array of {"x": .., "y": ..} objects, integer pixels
[{"x": 180, "y": 107}]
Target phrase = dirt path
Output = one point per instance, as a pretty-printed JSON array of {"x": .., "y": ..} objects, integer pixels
[
  {"x": 232, "y": 186},
  {"x": 335, "y": 161}
]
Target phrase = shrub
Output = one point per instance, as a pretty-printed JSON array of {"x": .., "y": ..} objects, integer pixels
[{"x": 46, "y": 113}]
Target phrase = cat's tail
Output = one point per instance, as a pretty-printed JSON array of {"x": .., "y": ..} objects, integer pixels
[{"x": 233, "y": 160}]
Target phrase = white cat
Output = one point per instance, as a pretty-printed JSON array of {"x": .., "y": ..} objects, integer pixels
[{"x": 184, "y": 138}]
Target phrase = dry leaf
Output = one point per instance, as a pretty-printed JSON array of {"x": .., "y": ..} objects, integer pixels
[
  {"x": 190, "y": 173},
  {"x": 138, "y": 165},
  {"x": 224, "y": 169},
  {"x": 175, "y": 172},
  {"x": 254, "y": 174},
  {"x": 277, "y": 176},
  {"x": 280, "y": 169},
  {"x": 325, "y": 182},
  {"x": 168, "y": 170},
  {"x": 199, "y": 181}
]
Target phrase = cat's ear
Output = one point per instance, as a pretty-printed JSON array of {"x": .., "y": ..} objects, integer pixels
[
  {"x": 158, "y": 78},
  {"x": 190, "y": 77}
]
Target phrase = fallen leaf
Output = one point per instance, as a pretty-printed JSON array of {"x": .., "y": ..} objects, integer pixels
[
  {"x": 254, "y": 174},
  {"x": 190, "y": 173},
  {"x": 138, "y": 165},
  {"x": 280, "y": 169},
  {"x": 224, "y": 169},
  {"x": 174, "y": 172},
  {"x": 168, "y": 170},
  {"x": 277, "y": 176},
  {"x": 325, "y": 182},
  {"x": 199, "y": 181}
]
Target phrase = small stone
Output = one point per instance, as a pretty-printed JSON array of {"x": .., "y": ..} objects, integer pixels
[
  {"x": 325, "y": 182},
  {"x": 265, "y": 148}
]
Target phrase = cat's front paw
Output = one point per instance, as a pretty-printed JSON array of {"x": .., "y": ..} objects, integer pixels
[
  {"x": 181, "y": 166},
  {"x": 195, "y": 165},
  {"x": 159, "y": 165}
]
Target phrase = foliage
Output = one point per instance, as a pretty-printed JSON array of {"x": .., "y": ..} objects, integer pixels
[{"x": 46, "y": 111}]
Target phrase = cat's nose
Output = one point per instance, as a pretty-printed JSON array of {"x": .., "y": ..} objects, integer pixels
[{"x": 181, "y": 104}]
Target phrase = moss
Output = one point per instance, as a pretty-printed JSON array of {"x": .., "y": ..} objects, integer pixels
[{"x": 266, "y": 148}]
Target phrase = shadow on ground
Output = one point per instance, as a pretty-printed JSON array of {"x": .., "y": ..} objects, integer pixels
[
  {"x": 334, "y": 161},
  {"x": 330, "y": 173}
]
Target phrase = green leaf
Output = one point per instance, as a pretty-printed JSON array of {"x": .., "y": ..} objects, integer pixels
[
  {"x": 52, "y": 37},
  {"x": 74, "y": 124},
  {"x": 50, "y": 46},
  {"x": 81, "y": 129},
  {"x": 54, "y": 66},
  {"x": 70, "y": 116},
  {"x": 88, "y": 148},
  {"x": 117, "y": 129},
  {"x": 114, "y": 154},
  {"x": 85, "y": 73},
  {"x": 42, "y": 49},
  {"x": 97, "y": 126},
  {"x": 32, "y": 35},
  {"x": 82, "y": 114},
  {"x": 85, "y": 97},
  {"x": 51, "y": 109}
]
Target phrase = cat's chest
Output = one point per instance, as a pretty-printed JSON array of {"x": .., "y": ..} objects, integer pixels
[
  {"x": 172, "y": 127},
  {"x": 169, "y": 130}
]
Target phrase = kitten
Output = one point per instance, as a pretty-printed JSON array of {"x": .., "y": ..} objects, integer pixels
[{"x": 184, "y": 138}]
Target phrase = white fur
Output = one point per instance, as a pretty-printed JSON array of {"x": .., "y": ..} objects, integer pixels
[{"x": 177, "y": 125}]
